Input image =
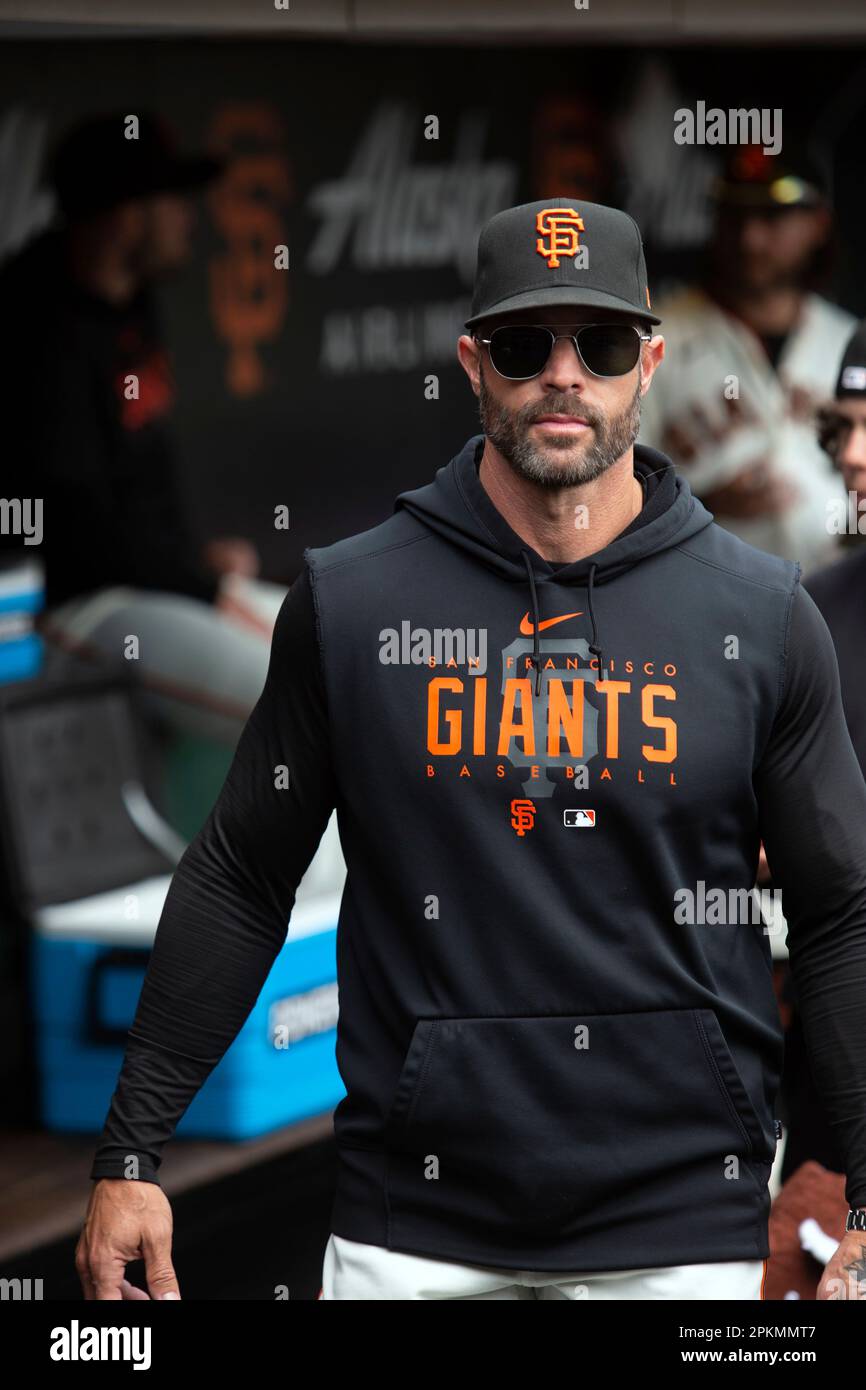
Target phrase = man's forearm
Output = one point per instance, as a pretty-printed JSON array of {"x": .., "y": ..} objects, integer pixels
[
  {"x": 215, "y": 945},
  {"x": 153, "y": 1091},
  {"x": 229, "y": 903},
  {"x": 812, "y": 800},
  {"x": 831, "y": 999}
]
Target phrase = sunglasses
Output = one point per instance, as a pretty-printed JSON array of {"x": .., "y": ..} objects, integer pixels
[{"x": 520, "y": 351}]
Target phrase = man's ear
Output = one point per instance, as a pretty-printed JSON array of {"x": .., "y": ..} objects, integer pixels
[
  {"x": 652, "y": 357},
  {"x": 469, "y": 356}
]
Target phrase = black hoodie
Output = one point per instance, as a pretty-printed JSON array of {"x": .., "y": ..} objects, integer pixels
[{"x": 558, "y": 1031}]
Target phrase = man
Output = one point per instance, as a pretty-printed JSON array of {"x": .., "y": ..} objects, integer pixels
[
  {"x": 550, "y": 700},
  {"x": 750, "y": 353},
  {"x": 839, "y": 590},
  {"x": 87, "y": 393}
]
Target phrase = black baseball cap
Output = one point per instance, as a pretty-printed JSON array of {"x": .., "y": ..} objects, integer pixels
[
  {"x": 851, "y": 380},
  {"x": 95, "y": 166},
  {"x": 752, "y": 179},
  {"x": 560, "y": 251}
]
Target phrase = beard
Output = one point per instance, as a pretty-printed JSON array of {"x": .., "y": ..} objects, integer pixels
[
  {"x": 609, "y": 437},
  {"x": 735, "y": 272},
  {"x": 759, "y": 275}
]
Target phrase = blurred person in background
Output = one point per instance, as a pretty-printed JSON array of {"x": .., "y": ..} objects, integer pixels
[
  {"x": 751, "y": 352},
  {"x": 87, "y": 395},
  {"x": 839, "y": 591}
]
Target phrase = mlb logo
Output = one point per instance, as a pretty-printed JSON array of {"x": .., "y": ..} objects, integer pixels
[{"x": 579, "y": 819}]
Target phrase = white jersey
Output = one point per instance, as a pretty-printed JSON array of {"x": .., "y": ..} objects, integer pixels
[{"x": 715, "y": 365}]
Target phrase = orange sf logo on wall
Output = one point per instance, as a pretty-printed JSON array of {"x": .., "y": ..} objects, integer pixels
[
  {"x": 560, "y": 226},
  {"x": 248, "y": 293}
]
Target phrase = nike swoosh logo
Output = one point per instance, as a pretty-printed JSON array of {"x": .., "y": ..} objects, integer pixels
[{"x": 527, "y": 628}]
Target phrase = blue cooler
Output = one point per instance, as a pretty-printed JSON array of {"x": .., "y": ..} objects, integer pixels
[
  {"x": 22, "y": 595},
  {"x": 88, "y": 960}
]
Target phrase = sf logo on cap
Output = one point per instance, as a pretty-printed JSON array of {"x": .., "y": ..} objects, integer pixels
[{"x": 560, "y": 226}]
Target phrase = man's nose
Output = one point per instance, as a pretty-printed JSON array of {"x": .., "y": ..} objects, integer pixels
[
  {"x": 755, "y": 234},
  {"x": 855, "y": 481},
  {"x": 852, "y": 455},
  {"x": 564, "y": 369}
]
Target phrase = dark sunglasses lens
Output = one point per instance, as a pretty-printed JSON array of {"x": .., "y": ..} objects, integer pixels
[
  {"x": 519, "y": 352},
  {"x": 609, "y": 349}
]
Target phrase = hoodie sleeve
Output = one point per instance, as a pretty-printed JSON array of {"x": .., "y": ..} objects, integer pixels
[
  {"x": 226, "y": 914},
  {"x": 812, "y": 807}
]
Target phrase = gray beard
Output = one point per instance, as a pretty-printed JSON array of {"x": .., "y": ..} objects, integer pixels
[{"x": 509, "y": 432}]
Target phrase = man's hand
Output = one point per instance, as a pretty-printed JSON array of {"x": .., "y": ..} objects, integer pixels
[
  {"x": 698, "y": 427},
  {"x": 232, "y": 555},
  {"x": 845, "y": 1274},
  {"x": 235, "y": 601},
  {"x": 126, "y": 1220},
  {"x": 755, "y": 492}
]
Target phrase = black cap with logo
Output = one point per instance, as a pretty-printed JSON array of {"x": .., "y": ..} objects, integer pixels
[
  {"x": 560, "y": 251},
  {"x": 852, "y": 371},
  {"x": 96, "y": 166},
  {"x": 753, "y": 180}
]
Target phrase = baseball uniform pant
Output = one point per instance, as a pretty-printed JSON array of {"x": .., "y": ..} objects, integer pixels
[{"x": 353, "y": 1270}]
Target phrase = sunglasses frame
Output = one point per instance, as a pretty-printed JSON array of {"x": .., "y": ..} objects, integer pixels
[{"x": 642, "y": 337}]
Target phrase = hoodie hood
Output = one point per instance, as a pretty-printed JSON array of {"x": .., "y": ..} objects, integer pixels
[{"x": 457, "y": 507}]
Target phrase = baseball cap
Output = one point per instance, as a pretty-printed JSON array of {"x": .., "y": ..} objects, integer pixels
[
  {"x": 851, "y": 380},
  {"x": 560, "y": 251},
  {"x": 754, "y": 179},
  {"x": 95, "y": 167}
]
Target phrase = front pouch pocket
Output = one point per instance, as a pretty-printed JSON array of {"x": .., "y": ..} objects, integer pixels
[{"x": 523, "y": 1132}]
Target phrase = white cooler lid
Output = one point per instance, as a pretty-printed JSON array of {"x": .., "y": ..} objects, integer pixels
[{"x": 129, "y": 916}]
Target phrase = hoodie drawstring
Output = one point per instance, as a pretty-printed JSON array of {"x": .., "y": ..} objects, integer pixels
[
  {"x": 536, "y": 650},
  {"x": 593, "y": 646},
  {"x": 536, "y": 619}
]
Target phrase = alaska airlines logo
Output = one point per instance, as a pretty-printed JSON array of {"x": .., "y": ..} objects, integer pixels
[
  {"x": 610, "y": 721},
  {"x": 560, "y": 226}
]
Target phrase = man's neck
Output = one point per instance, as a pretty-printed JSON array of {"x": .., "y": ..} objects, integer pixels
[{"x": 563, "y": 524}]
